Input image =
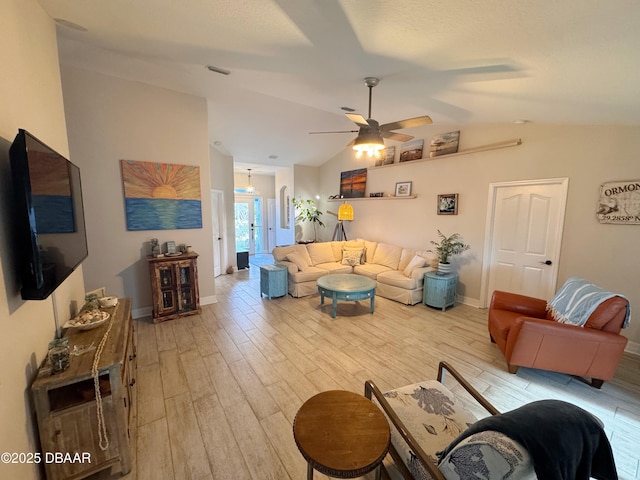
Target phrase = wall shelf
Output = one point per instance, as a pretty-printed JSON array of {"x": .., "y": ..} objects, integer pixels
[
  {"x": 410, "y": 197},
  {"x": 482, "y": 148}
]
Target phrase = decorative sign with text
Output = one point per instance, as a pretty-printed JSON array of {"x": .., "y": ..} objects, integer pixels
[{"x": 619, "y": 202}]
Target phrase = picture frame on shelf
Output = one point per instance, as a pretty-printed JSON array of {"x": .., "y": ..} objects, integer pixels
[
  {"x": 403, "y": 189},
  {"x": 411, "y": 150},
  {"x": 448, "y": 204},
  {"x": 388, "y": 155},
  {"x": 444, "y": 144}
]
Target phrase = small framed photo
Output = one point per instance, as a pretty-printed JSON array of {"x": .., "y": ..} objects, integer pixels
[
  {"x": 403, "y": 189},
  {"x": 448, "y": 204}
]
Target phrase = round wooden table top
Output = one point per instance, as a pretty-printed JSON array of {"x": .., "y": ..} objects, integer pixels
[{"x": 341, "y": 434}]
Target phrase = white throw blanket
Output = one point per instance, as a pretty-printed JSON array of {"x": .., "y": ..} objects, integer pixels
[{"x": 576, "y": 301}]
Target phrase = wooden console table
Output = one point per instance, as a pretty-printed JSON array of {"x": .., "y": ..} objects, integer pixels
[{"x": 66, "y": 404}]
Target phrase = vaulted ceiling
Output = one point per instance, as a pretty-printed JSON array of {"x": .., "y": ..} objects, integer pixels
[{"x": 294, "y": 63}]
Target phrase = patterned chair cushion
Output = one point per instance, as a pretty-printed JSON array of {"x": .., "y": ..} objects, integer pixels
[
  {"x": 433, "y": 415},
  {"x": 435, "y": 418},
  {"x": 489, "y": 455}
]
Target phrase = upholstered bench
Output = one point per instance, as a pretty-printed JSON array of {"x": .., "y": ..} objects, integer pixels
[
  {"x": 426, "y": 417},
  {"x": 433, "y": 436}
]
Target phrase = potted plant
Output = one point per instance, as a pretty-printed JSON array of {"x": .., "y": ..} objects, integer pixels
[
  {"x": 446, "y": 248},
  {"x": 308, "y": 212}
]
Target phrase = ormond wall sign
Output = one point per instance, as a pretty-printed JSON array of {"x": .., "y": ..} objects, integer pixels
[{"x": 619, "y": 202}]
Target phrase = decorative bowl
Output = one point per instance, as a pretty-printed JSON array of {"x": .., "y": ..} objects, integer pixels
[
  {"x": 106, "y": 302},
  {"x": 87, "y": 320}
]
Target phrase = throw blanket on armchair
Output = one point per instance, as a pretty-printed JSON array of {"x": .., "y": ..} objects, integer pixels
[
  {"x": 577, "y": 299},
  {"x": 564, "y": 441}
]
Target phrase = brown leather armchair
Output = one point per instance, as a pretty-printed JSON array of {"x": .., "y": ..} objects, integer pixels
[{"x": 529, "y": 337}]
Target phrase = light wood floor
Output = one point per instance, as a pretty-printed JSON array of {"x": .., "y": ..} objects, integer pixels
[{"x": 217, "y": 392}]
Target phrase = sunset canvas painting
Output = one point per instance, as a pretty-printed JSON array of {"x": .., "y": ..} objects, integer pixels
[{"x": 161, "y": 196}]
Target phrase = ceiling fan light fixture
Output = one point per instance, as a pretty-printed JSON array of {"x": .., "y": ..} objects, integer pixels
[{"x": 369, "y": 142}]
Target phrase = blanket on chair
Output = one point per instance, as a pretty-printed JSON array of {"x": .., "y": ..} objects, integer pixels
[
  {"x": 564, "y": 441},
  {"x": 577, "y": 299}
]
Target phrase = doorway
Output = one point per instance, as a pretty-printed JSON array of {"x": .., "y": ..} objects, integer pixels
[
  {"x": 249, "y": 225},
  {"x": 218, "y": 222},
  {"x": 525, "y": 220}
]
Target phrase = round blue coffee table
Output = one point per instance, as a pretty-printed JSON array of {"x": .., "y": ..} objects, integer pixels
[{"x": 346, "y": 287}]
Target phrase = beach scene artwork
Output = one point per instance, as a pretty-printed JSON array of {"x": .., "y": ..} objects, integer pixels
[{"x": 161, "y": 196}]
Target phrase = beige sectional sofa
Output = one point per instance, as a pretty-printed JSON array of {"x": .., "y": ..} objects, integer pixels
[{"x": 398, "y": 271}]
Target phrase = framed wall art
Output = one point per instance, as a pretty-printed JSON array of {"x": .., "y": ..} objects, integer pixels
[
  {"x": 353, "y": 183},
  {"x": 161, "y": 196},
  {"x": 448, "y": 204},
  {"x": 403, "y": 189}
]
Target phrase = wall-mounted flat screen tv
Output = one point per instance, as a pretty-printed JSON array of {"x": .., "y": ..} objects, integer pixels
[{"x": 49, "y": 229}]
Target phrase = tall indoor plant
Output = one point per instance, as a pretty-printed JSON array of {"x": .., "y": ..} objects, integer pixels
[
  {"x": 308, "y": 212},
  {"x": 446, "y": 248}
]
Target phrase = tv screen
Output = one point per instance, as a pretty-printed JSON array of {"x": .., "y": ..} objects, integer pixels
[{"x": 49, "y": 223}]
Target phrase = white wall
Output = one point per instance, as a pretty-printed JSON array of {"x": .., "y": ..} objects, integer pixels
[
  {"x": 222, "y": 179},
  {"x": 284, "y": 178},
  {"x": 110, "y": 119},
  {"x": 588, "y": 156},
  {"x": 31, "y": 98}
]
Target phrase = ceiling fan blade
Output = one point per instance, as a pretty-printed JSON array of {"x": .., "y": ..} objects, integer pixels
[
  {"x": 357, "y": 119},
  {"x": 337, "y": 131},
  {"x": 350, "y": 144},
  {"x": 407, "y": 123},
  {"x": 400, "y": 137}
]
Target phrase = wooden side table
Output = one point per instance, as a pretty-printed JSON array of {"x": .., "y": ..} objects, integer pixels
[
  {"x": 439, "y": 290},
  {"x": 273, "y": 280},
  {"x": 341, "y": 434}
]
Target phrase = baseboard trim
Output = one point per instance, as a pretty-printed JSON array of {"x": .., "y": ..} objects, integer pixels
[
  {"x": 472, "y": 302},
  {"x": 148, "y": 311},
  {"x": 209, "y": 300},
  {"x": 633, "y": 347},
  {"x": 142, "y": 312}
]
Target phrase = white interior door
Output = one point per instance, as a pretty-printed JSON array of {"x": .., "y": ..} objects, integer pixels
[
  {"x": 271, "y": 224},
  {"x": 525, "y": 221},
  {"x": 218, "y": 222}
]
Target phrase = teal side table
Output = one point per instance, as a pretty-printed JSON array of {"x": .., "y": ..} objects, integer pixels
[
  {"x": 439, "y": 290},
  {"x": 273, "y": 280}
]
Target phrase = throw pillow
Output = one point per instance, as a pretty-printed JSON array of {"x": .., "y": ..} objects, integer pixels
[
  {"x": 352, "y": 256},
  {"x": 415, "y": 263},
  {"x": 298, "y": 260}
]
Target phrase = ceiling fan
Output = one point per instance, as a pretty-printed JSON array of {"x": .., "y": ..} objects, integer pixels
[{"x": 370, "y": 134}]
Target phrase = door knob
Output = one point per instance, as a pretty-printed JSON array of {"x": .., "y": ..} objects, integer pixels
[{"x": 547, "y": 262}]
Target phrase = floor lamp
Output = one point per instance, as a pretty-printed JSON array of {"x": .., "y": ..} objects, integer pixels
[{"x": 345, "y": 212}]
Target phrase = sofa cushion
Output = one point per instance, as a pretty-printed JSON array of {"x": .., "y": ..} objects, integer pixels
[
  {"x": 336, "y": 246},
  {"x": 335, "y": 267},
  {"x": 489, "y": 455},
  {"x": 416, "y": 262},
  {"x": 297, "y": 259},
  {"x": 309, "y": 275},
  {"x": 320, "y": 252},
  {"x": 352, "y": 256},
  {"x": 405, "y": 257},
  {"x": 397, "y": 279},
  {"x": 387, "y": 255},
  {"x": 369, "y": 249},
  {"x": 280, "y": 252},
  {"x": 370, "y": 270}
]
